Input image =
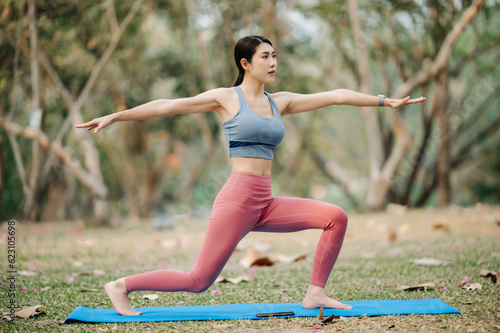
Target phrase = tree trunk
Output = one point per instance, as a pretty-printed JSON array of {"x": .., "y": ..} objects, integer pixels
[
  {"x": 443, "y": 165},
  {"x": 31, "y": 207}
]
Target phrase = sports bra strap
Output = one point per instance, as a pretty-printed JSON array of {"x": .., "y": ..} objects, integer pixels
[{"x": 241, "y": 96}]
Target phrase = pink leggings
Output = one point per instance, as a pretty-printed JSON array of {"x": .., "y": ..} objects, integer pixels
[{"x": 245, "y": 204}]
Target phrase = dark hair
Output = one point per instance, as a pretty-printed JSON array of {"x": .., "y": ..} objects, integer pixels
[{"x": 245, "y": 49}]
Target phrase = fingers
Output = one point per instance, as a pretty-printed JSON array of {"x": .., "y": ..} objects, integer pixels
[
  {"x": 91, "y": 125},
  {"x": 416, "y": 100}
]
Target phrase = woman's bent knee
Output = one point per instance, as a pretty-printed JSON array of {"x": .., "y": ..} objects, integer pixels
[{"x": 338, "y": 218}]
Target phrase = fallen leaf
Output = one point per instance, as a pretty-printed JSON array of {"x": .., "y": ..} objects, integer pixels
[
  {"x": 325, "y": 320},
  {"x": 393, "y": 236},
  {"x": 85, "y": 289},
  {"x": 151, "y": 297},
  {"x": 473, "y": 286},
  {"x": 77, "y": 264},
  {"x": 430, "y": 262},
  {"x": 32, "y": 311},
  {"x": 27, "y": 273},
  {"x": 288, "y": 259},
  {"x": 171, "y": 244},
  {"x": 495, "y": 276},
  {"x": 236, "y": 280},
  {"x": 45, "y": 288},
  {"x": 396, "y": 209},
  {"x": 424, "y": 286},
  {"x": 441, "y": 227},
  {"x": 93, "y": 272},
  {"x": 253, "y": 257}
]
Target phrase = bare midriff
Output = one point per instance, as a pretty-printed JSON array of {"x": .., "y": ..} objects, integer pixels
[{"x": 251, "y": 165}]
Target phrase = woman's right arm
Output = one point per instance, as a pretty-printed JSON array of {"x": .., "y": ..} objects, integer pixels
[{"x": 204, "y": 102}]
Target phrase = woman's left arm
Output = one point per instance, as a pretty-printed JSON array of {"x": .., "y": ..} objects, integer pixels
[{"x": 296, "y": 103}]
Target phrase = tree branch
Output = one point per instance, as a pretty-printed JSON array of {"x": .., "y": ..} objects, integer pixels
[
  {"x": 107, "y": 54},
  {"x": 87, "y": 180},
  {"x": 441, "y": 61}
]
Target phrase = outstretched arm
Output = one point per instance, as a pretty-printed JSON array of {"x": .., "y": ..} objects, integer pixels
[
  {"x": 296, "y": 103},
  {"x": 204, "y": 102}
]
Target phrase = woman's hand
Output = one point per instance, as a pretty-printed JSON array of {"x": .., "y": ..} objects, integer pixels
[
  {"x": 399, "y": 103},
  {"x": 98, "y": 123}
]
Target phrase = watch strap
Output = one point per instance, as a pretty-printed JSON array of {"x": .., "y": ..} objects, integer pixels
[{"x": 381, "y": 100}]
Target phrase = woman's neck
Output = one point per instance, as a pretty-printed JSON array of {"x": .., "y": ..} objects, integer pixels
[{"x": 252, "y": 88}]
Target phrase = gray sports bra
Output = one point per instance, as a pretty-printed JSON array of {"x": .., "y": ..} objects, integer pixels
[{"x": 251, "y": 135}]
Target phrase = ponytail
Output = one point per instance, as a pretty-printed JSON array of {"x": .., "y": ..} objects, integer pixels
[{"x": 239, "y": 79}]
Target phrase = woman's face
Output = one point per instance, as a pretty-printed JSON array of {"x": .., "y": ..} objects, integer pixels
[{"x": 264, "y": 63}]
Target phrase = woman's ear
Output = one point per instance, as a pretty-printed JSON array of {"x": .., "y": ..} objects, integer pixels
[{"x": 245, "y": 64}]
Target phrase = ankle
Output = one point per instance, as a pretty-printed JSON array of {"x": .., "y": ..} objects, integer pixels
[{"x": 313, "y": 290}]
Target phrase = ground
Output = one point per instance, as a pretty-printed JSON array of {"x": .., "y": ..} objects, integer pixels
[{"x": 57, "y": 262}]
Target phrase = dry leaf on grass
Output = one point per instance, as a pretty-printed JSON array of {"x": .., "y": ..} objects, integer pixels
[
  {"x": 441, "y": 227},
  {"x": 495, "y": 276},
  {"x": 27, "y": 273},
  {"x": 396, "y": 209},
  {"x": 328, "y": 319},
  {"x": 473, "y": 286},
  {"x": 32, "y": 311},
  {"x": 94, "y": 272},
  {"x": 236, "y": 280},
  {"x": 77, "y": 264},
  {"x": 430, "y": 262},
  {"x": 424, "y": 286},
  {"x": 255, "y": 258},
  {"x": 393, "y": 236},
  {"x": 151, "y": 297},
  {"x": 85, "y": 289},
  {"x": 281, "y": 258},
  {"x": 170, "y": 244}
]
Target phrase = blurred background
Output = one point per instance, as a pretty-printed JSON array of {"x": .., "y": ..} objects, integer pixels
[{"x": 63, "y": 62}]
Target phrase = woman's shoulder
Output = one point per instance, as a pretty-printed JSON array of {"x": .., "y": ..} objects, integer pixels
[
  {"x": 282, "y": 99},
  {"x": 221, "y": 93}
]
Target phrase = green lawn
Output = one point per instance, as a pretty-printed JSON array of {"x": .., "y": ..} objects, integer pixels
[{"x": 373, "y": 262}]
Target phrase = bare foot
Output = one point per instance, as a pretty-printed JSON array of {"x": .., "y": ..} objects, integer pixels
[
  {"x": 316, "y": 298},
  {"x": 117, "y": 293}
]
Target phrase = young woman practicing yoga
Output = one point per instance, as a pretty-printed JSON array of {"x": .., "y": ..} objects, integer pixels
[{"x": 253, "y": 129}]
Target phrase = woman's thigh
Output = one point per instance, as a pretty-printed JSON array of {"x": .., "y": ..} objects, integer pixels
[{"x": 289, "y": 214}]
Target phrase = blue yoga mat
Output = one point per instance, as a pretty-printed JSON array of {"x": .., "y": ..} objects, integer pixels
[{"x": 250, "y": 311}]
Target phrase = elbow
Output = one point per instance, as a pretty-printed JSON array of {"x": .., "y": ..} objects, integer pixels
[
  {"x": 339, "y": 96},
  {"x": 164, "y": 107}
]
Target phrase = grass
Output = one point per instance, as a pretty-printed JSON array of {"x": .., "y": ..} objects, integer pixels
[{"x": 370, "y": 267}]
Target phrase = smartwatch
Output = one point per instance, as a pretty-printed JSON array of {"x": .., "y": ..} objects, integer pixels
[{"x": 381, "y": 100}]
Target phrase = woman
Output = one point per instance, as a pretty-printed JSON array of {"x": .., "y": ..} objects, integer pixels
[{"x": 253, "y": 129}]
